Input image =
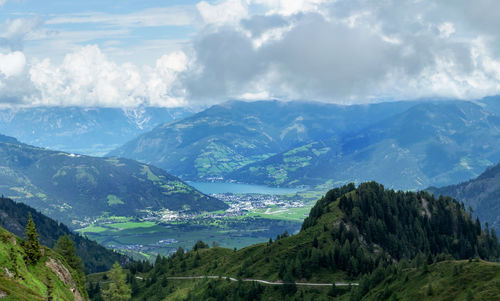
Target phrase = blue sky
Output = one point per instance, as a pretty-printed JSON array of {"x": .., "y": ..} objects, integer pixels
[
  {"x": 191, "y": 53},
  {"x": 108, "y": 24}
]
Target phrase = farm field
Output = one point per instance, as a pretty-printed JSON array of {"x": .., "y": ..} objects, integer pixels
[
  {"x": 146, "y": 238},
  {"x": 251, "y": 218}
]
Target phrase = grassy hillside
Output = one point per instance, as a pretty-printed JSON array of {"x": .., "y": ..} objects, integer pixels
[
  {"x": 428, "y": 144},
  {"x": 447, "y": 280},
  {"x": 96, "y": 258},
  {"x": 50, "y": 276},
  {"x": 481, "y": 193},
  {"x": 75, "y": 188},
  {"x": 352, "y": 234},
  {"x": 215, "y": 142}
]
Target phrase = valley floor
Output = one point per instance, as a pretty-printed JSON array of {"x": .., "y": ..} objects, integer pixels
[{"x": 250, "y": 219}]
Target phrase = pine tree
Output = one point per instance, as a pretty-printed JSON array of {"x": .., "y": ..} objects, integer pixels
[
  {"x": 289, "y": 287},
  {"x": 118, "y": 289},
  {"x": 66, "y": 247},
  {"x": 32, "y": 245}
]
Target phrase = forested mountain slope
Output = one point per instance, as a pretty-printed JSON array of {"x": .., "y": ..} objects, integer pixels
[
  {"x": 96, "y": 258},
  {"x": 73, "y": 188},
  {"x": 481, "y": 193},
  {"x": 350, "y": 233}
]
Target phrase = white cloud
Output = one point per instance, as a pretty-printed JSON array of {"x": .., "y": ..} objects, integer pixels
[
  {"x": 88, "y": 78},
  {"x": 229, "y": 11},
  {"x": 287, "y": 7},
  {"x": 348, "y": 50},
  {"x": 2, "y": 2},
  {"x": 446, "y": 29},
  {"x": 337, "y": 51},
  {"x": 12, "y": 64}
]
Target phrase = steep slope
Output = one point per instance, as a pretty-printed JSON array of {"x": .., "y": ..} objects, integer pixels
[
  {"x": 349, "y": 233},
  {"x": 226, "y": 137},
  {"x": 481, "y": 193},
  {"x": 96, "y": 258},
  {"x": 50, "y": 276},
  {"x": 429, "y": 144},
  {"x": 72, "y": 188},
  {"x": 90, "y": 131},
  {"x": 447, "y": 280}
]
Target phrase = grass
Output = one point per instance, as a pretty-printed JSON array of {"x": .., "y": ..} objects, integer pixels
[
  {"x": 132, "y": 225},
  {"x": 292, "y": 214},
  {"x": 114, "y": 200},
  {"x": 151, "y": 176},
  {"x": 447, "y": 281},
  {"x": 237, "y": 232},
  {"x": 92, "y": 229},
  {"x": 30, "y": 282}
]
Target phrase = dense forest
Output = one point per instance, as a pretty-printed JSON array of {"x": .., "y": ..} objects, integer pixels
[{"x": 481, "y": 194}]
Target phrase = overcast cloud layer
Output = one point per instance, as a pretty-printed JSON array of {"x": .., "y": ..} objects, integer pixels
[{"x": 351, "y": 51}]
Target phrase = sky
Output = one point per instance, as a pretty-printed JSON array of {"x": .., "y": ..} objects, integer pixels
[{"x": 117, "y": 53}]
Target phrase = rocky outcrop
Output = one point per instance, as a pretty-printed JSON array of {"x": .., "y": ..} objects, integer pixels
[{"x": 65, "y": 276}]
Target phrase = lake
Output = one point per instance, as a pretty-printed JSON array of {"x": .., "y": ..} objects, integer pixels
[{"x": 209, "y": 188}]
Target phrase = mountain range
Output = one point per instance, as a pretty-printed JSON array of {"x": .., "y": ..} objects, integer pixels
[
  {"x": 224, "y": 138},
  {"x": 404, "y": 145},
  {"x": 90, "y": 131},
  {"x": 75, "y": 188},
  {"x": 428, "y": 144},
  {"x": 482, "y": 194}
]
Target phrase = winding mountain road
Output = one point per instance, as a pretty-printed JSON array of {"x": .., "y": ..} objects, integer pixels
[{"x": 261, "y": 281}]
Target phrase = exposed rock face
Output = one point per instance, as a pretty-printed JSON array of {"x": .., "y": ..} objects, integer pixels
[
  {"x": 65, "y": 276},
  {"x": 8, "y": 273}
]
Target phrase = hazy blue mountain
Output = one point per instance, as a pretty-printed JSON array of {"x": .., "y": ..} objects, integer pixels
[
  {"x": 71, "y": 187},
  {"x": 481, "y": 193},
  {"x": 90, "y": 131},
  {"x": 215, "y": 142},
  {"x": 429, "y": 144},
  {"x": 491, "y": 103}
]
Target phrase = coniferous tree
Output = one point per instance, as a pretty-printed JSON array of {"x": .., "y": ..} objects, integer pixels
[
  {"x": 118, "y": 289},
  {"x": 32, "y": 245},
  {"x": 66, "y": 247}
]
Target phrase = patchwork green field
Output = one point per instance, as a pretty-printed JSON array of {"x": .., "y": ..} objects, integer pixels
[
  {"x": 144, "y": 238},
  {"x": 251, "y": 218}
]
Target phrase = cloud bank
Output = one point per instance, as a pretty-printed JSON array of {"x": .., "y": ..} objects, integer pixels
[{"x": 337, "y": 51}]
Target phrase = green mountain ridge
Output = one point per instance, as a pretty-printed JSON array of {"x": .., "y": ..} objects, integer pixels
[
  {"x": 481, "y": 193},
  {"x": 49, "y": 276},
  {"x": 96, "y": 258},
  {"x": 75, "y": 188},
  {"x": 361, "y": 234}
]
